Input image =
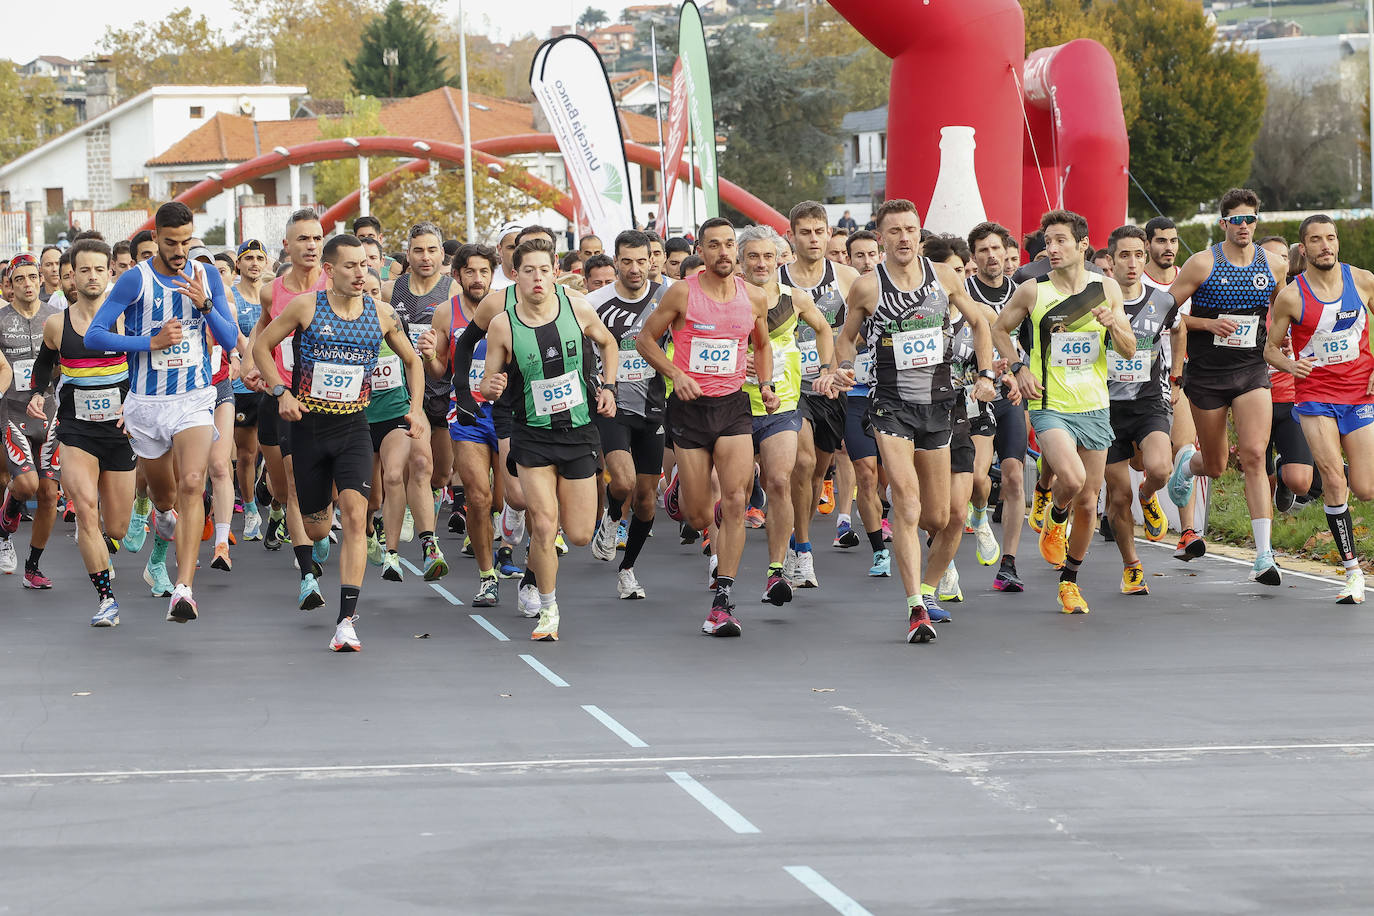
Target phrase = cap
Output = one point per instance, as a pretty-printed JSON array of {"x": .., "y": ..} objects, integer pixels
[
  {"x": 507, "y": 229},
  {"x": 250, "y": 245},
  {"x": 200, "y": 253}
]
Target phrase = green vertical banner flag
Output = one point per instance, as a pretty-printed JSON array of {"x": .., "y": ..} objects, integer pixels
[{"x": 691, "y": 47}]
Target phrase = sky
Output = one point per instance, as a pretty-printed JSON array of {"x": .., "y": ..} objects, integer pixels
[{"x": 73, "y": 28}]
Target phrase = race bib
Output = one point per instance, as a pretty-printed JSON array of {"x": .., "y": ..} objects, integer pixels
[
  {"x": 387, "y": 374},
  {"x": 336, "y": 383},
  {"x": 416, "y": 332},
  {"x": 1075, "y": 350},
  {"x": 1244, "y": 336},
  {"x": 183, "y": 355},
  {"x": 713, "y": 356},
  {"x": 810, "y": 359},
  {"x": 1135, "y": 369},
  {"x": 863, "y": 368},
  {"x": 23, "y": 374},
  {"x": 633, "y": 367},
  {"x": 216, "y": 357},
  {"x": 287, "y": 349},
  {"x": 919, "y": 349},
  {"x": 1331, "y": 348},
  {"x": 557, "y": 395},
  {"x": 779, "y": 367},
  {"x": 475, "y": 371},
  {"x": 97, "y": 405}
]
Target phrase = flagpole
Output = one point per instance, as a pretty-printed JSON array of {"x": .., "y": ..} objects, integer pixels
[
  {"x": 658, "y": 116},
  {"x": 467, "y": 125},
  {"x": 691, "y": 173}
]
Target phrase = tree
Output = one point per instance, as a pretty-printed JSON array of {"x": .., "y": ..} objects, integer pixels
[
  {"x": 398, "y": 56},
  {"x": 338, "y": 178},
  {"x": 781, "y": 120},
  {"x": 591, "y": 18},
  {"x": 864, "y": 74},
  {"x": 31, "y": 110},
  {"x": 1307, "y": 147},
  {"x": 418, "y": 198},
  {"x": 177, "y": 49},
  {"x": 1201, "y": 103},
  {"x": 303, "y": 40}
]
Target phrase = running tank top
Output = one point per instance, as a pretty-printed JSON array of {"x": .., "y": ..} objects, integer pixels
[
  {"x": 247, "y": 314},
  {"x": 640, "y": 390},
  {"x": 285, "y": 353},
  {"x": 458, "y": 323},
  {"x": 1242, "y": 294},
  {"x": 1137, "y": 378},
  {"x": 390, "y": 393},
  {"x": 549, "y": 367},
  {"x": 909, "y": 334},
  {"x": 418, "y": 312},
  {"x": 782, "y": 339},
  {"x": 1335, "y": 336},
  {"x": 93, "y": 383},
  {"x": 710, "y": 344},
  {"x": 335, "y": 357},
  {"x": 1068, "y": 347},
  {"x": 826, "y": 295}
]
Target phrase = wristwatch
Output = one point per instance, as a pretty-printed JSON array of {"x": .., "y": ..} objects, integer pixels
[
  {"x": 278, "y": 390},
  {"x": 1015, "y": 367},
  {"x": 987, "y": 374}
]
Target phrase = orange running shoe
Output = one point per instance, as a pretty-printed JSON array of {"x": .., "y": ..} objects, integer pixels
[
  {"x": 1133, "y": 580},
  {"x": 1071, "y": 599},
  {"x": 827, "y": 503},
  {"x": 1054, "y": 541},
  {"x": 221, "y": 560},
  {"x": 754, "y": 518}
]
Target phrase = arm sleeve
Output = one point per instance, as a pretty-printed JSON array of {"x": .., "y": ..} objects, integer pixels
[
  {"x": 221, "y": 320},
  {"x": 43, "y": 366},
  {"x": 462, "y": 362},
  {"x": 101, "y": 335}
]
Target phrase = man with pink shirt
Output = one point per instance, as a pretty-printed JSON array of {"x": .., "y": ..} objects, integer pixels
[{"x": 714, "y": 317}]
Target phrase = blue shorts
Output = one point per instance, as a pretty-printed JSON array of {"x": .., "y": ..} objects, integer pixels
[
  {"x": 1348, "y": 417},
  {"x": 858, "y": 442},
  {"x": 483, "y": 432},
  {"x": 770, "y": 424}
]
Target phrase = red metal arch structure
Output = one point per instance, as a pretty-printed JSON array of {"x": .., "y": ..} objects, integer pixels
[{"x": 484, "y": 151}]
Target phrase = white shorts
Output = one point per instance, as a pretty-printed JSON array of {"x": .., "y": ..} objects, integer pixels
[{"x": 152, "y": 420}]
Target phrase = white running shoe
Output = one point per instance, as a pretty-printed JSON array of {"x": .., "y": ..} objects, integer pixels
[
  {"x": 165, "y": 525},
  {"x": 711, "y": 573},
  {"x": 603, "y": 542},
  {"x": 9, "y": 560},
  {"x": 627, "y": 586},
  {"x": 407, "y": 527},
  {"x": 346, "y": 637},
  {"x": 529, "y": 600},
  {"x": 252, "y": 526},
  {"x": 948, "y": 589},
  {"x": 989, "y": 551},
  {"x": 805, "y": 572},
  {"x": 1353, "y": 593},
  {"x": 182, "y": 607},
  {"x": 789, "y": 566}
]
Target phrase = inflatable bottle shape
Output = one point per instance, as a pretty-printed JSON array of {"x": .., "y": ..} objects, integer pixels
[{"x": 956, "y": 205}]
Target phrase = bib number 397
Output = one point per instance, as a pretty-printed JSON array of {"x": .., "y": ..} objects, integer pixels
[
  {"x": 918, "y": 349},
  {"x": 336, "y": 383},
  {"x": 711, "y": 356},
  {"x": 557, "y": 395}
]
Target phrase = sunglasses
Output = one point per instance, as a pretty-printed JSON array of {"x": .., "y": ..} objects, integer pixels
[
  {"x": 22, "y": 260},
  {"x": 1241, "y": 219}
]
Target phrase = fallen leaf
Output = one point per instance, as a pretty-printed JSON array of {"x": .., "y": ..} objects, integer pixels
[
  {"x": 422, "y": 636},
  {"x": 822, "y": 689},
  {"x": 82, "y": 693},
  {"x": 505, "y": 695}
]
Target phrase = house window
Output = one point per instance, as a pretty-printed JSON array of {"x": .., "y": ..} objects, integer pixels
[
  {"x": 56, "y": 200},
  {"x": 197, "y": 112},
  {"x": 648, "y": 185},
  {"x": 138, "y": 190},
  {"x": 179, "y": 187},
  {"x": 267, "y": 187}
]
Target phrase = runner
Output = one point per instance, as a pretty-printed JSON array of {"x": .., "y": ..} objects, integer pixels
[
  {"x": 589, "y": 247},
  {"x": 658, "y": 257},
  {"x": 537, "y": 346},
  {"x": 713, "y": 316},
  {"x": 1231, "y": 285},
  {"x": 97, "y": 462},
  {"x": 336, "y": 335},
  {"x": 505, "y": 247},
  {"x": 1327, "y": 311},
  {"x": 1072, "y": 310},
  {"x": 224, "y": 367},
  {"x": 598, "y": 272},
  {"x": 903, "y": 310},
  {"x": 251, "y": 263},
  {"x": 368, "y": 230},
  {"x": 675, "y": 251},
  {"x": 1287, "y": 460},
  {"x": 121, "y": 258},
  {"x": 168, "y": 305}
]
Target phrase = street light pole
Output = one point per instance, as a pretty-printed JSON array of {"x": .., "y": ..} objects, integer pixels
[{"x": 467, "y": 126}]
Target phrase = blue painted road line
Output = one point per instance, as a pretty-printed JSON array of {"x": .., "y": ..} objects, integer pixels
[
  {"x": 729, "y": 816},
  {"x": 486, "y": 625},
  {"x": 624, "y": 733},
  {"x": 544, "y": 672},
  {"x": 448, "y": 595},
  {"x": 842, "y": 902}
]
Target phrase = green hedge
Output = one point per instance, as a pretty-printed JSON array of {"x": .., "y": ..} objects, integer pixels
[{"x": 1357, "y": 238}]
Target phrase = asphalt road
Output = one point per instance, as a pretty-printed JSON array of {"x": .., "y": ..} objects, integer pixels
[{"x": 1206, "y": 749}]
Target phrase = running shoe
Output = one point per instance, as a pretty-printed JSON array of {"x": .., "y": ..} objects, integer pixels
[
  {"x": 155, "y": 574},
  {"x": 458, "y": 521},
  {"x": 346, "y": 637},
  {"x": 559, "y": 544},
  {"x": 711, "y": 573},
  {"x": 1007, "y": 580},
  {"x": 826, "y": 504},
  {"x": 182, "y": 607},
  {"x": 529, "y": 600},
  {"x": 805, "y": 571},
  {"x": 1133, "y": 581},
  {"x": 603, "y": 542},
  {"x": 252, "y": 525},
  {"x": 505, "y": 564},
  {"x": 627, "y": 586},
  {"x": 107, "y": 615},
  {"x": 778, "y": 591},
  {"x": 687, "y": 534},
  {"x": 1040, "y": 507},
  {"x": 936, "y": 613},
  {"x": 968, "y": 520},
  {"x": 1054, "y": 542},
  {"x": 721, "y": 622},
  {"x": 376, "y": 552},
  {"x": 670, "y": 500},
  {"x": 1104, "y": 528},
  {"x": 705, "y": 544},
  {"x": 165, "y": 525},
  {"x": 221, "y": 560},
  {"x": 276, "y": 530},
  {"x": 208, "y": 531},
  {"x": 488, "y": 591},
  {"x": 1156, "y": 525},
  {"x": 1071, "y": 599},
  {"x": 467, "y": 546},
  {"x": 1266, "y": 571},
  {"x": 436, "y": 567},
  {"x": 9, "y": 522},
  {"x": 754, "y": 518},
  {"x": 1284, "y": 498},
  {"x": 887, "y": 532},
  {"x": 882, "y": 564},
  {"x": 319, "y": 551},
  {"x": 918, "y": 628},
  {"x": 407, "y": 527},
  {"x": 1180, "y": 485},
  {"x": 547, "y": 629},
  {"x": 391, "y": 567},
  {"x": 789, "y": 565},
  {"x": 989, "y": 551},
  {"x": 845, "y": 536},
  {"x": 311, "y": 596},
  {"x": 1190, "y": 546},
  {"x": 34, "y": 578},
  {"x": 9, "y": 560},
  {"x": 137, "y": 533},
  {"x": 622, "y": 534},
  {"x": 948, "y": 589},
  {"x": 1353, "y": 593},
  {"x": 717, "y": 515},
  {"x": 68, "y": 511}
]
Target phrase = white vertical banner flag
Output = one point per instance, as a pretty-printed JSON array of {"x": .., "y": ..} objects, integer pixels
[{"x": 570, "y": 83}]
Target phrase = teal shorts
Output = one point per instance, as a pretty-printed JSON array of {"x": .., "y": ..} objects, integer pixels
[{"x": 1091, "y": 429}]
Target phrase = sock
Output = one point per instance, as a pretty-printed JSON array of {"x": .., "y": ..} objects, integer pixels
[
  {"x": 725, "y": 586},
  {"x": 1008, "y": 561},
  {"x": 803, "y": 547},
  {"x": 1070, "y": 571},
  {"x": 774, "y": 569},
  {"x": 913, "y": 602},
  {"x": 1338, "y": 520},
  {"x": 978, "y": 515},
  {"x": 842, "y": 520},
  {"x": 548, "y": 600},
  {"x": 1261, "y": 528},
  {"x": 487, "y": 573},
  {"x": 101, "y": 581},
  {"x": 634, "y": 541},
  {"x": 35, "y": 553},
  {"x": 927, "y": 590},
  {"x": 875, "y": 539},
  {"x": 528, "y": 577},
  {"x": 159, "y": 552},
  {"x": 615, "y": 508},
  {"x": 1057, "y": 515},
  {"x": 348, "y": 601},
  {"x": 276, "y": 513},
  {"x": 143, "y": 506},
  {"x": 304, "y": 559},
  {"x": 426, "y": 538},
  {"x": 250, "y": 507},
  {"x": 111, "y": 545},
  {"x": 221, "y": 534}
]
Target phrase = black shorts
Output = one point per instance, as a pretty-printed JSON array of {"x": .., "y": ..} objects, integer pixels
[
  {"x": 858, "y": 435},
  {"x": 246, "y": 409},
  {"x": 926, "y": 426},
  {"x": 1132, "y": 421},
  {"x": 628, "y": 432},
  {"x": 961, "y": 451},
  {"x": 827, "y": 416},
  {"x": 224, "y": 393},
  {"x": 1010, "y": 439},
  {"x": 1210, "y": 392},
  {"x": 382, "y": 428},
  {"x": 503, "y": 418},
  {"x": 335, "y": 450},
  {"x": 105, "y": 443},
  {"x": 1287, "y": 444},
  {"x": 269, "y": 429},
  {"x": 699, "y": 423},
  {"x": 573, "y": 453},
  {"x": 982, "y": 423}
]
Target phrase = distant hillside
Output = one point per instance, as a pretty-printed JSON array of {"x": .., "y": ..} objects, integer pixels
[{"x": 1331, "y": 17}]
